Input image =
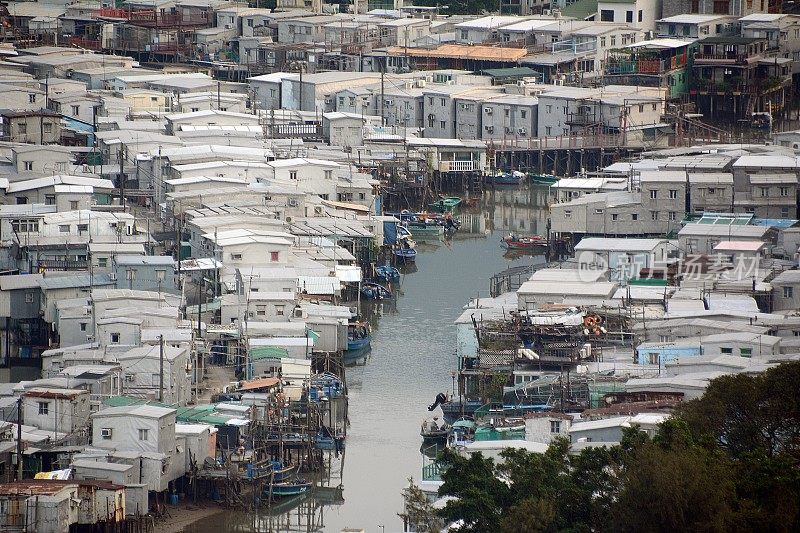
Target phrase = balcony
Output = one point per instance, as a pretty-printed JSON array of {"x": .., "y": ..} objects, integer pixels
[
  {"x": 457, "y": 166},
  {"x": 720, "y": 59},
  {"x": 87, "y": 44}
]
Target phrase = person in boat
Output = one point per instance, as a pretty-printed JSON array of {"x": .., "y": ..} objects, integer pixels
[{"x": 448, "y": 221}]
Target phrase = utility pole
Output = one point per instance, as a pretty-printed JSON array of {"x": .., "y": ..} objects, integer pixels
[
  {"x": 122, "y": 177},
  {"x": 19, "y": 438},
  {"x": 161, "y": 368},
  {"x": 383, "y": 107},
  {"x": 219, "y": 83}
]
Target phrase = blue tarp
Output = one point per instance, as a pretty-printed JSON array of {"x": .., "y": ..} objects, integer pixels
[{"x": 390, "y": 233}]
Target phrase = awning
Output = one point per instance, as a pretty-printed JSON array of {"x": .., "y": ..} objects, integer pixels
[{"x": 260, "y": 383}]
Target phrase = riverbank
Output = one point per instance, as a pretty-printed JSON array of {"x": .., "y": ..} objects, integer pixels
[{"x": 183, "y": 516}]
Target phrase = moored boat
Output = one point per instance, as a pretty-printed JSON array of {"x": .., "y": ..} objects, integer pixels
[
  {"x": 285, "y": 489},
  {"x": 404, "y": 253},
  {"x": 446, "y": 204},
  {"x": 544, "y": 179},
  {"x": 505, "y": 178},
  {"x": 374, "y": 291},
  {"x": 432, "y": 432},
  {"x": 517, "y": 242},
  {"x": 358, "y": 336},
  {"x": 387, "y": 273}
]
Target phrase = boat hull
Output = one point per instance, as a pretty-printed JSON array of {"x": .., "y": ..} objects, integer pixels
[{"x": 286, "y": 490}]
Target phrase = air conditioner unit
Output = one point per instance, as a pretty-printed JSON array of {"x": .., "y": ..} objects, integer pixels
[
  {"x": 796, "y": 146},
  {"x": 488, "y": 110},
  {"x": 522, "y": 131},
  {"x": 129, "y": 378},
  {"x": 388, "y": 102},
  {"x": 291, "y": 202},
  {"x": 328, "y": 101},
  {"x": 298, "y": 312},
  {"x": 105, "y": 432},
  {"x": 546, "y": 12},
  {"x": 250, "y": 314},
  {"x": 112, "y": 276}
]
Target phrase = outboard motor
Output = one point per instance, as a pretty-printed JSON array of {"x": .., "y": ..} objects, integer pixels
[{"x": 440, "y": 399}]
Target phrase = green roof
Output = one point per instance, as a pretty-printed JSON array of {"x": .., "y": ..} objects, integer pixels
[
  {"x": 268, "y": 352},
  {"x": 580, "y": 9}
]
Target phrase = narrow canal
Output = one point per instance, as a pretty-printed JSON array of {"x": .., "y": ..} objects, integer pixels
[{"x": 412, "y": 359}]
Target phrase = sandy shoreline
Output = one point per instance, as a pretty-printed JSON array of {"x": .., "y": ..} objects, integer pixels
[{"x": 184, "y": 515}]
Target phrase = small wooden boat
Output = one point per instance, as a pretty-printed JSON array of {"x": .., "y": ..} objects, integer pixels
[
  {"x": 281, "y": 472},
  {"x": 423, "y": 230},
  {"x": 446, "y": 204},
  {"x": 515, "y": 242},
  {"x": 375, "y": 291},
  {"x": 286, "y": 489},
  {"x": 387, "y": 273},
  {"x": 544, "y": 179}
]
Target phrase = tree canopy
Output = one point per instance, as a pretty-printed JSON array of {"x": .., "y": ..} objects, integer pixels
[{"x": 725, "y": 462}]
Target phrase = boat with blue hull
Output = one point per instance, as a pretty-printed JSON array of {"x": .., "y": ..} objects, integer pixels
[
  {"x": 404, "y": 253},
  {"x": 505, "y": 178},
  {"x": 287, "y": 489},
  {"x": 387, "y": 273},
  {"x": 358, "y": 342},
  {"x": 375, "y": 291}
]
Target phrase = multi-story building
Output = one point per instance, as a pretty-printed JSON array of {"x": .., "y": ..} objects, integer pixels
[
  {"x": 662, "y": 62},
  {"x": 781, "y": 31},
  {"x": 696, "y": 26},
  {"x": 641, "y": 14},
  {"x": 737, "y": 8},
  {"x": 733, "y": 77}
]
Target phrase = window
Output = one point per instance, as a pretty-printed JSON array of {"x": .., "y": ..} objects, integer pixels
[
  {"x": 784, "y": 212},
  {"x": 653, "y": 194},
  {"x": 464, "y": 35},
  {"x": 83, "y": 227},
  {"x": 73, "y": 205},
  {"x": 602, "y": 42},
  {"x": 745, "y": 352},
  {"x": 549, "y": 108},
  {"x": 654, "y": 215},
  {"x": 443, "y": 102},
  {"x": 76, "y": 110},
  {"x": 261, "y": 310},
  {"x": 44, "y": 408},
  {"x": 567, "y": 214},
  {"x": 273, "y": 257},
  {"x": 640, "y": 15},
  {"x": 329, "y": 174},
  {"x": 47, "y": 127},
  {"x": 249, "y": 23},
  {"x": 102, "y": 262},
  {"x": 629, "y": 16},
  {"x": 106, "y": 433},
  {"x": 31, "y": 98},
  {"x": 142, "y": 434},
  {"x": 28, "y": 297},
  {"x": 607, "y": 15},
  {"x": 442, "y": 124},
  {"x": 727, "y": 351},
  {"x": 280, "y": 310},
  {"x": 236, "y": 257},
  {"x": 784, "y": 191},
  {"x": 555, "y": 426},
  {"x": 613, "y": 40},
  {"x": 673, "y": 194},
  {"x": 63, "y": 228},
  {"x": 292, "y": 174},
  {"x": 161, "y": 274},
  {"x": 362, "y": 196},
  {"x": 614, "y": 217},
  {"x": 764, "y": 191},
  {"x": 22, "y": 128},
  {"x": 672, "y": 215},
  {"x": 115, "y": 338},
  {"x": 49, "y": 199},
  {"x": 547, "y": 130},
  {"x": 28, "y": 165},
  {"x": 83, "y": 326},
  {"x": 635, "y": 216},
  {"x": 24, "y": 225},
  {"x": 523, "y": 114},
  {"x": 788, "y": 292}
]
